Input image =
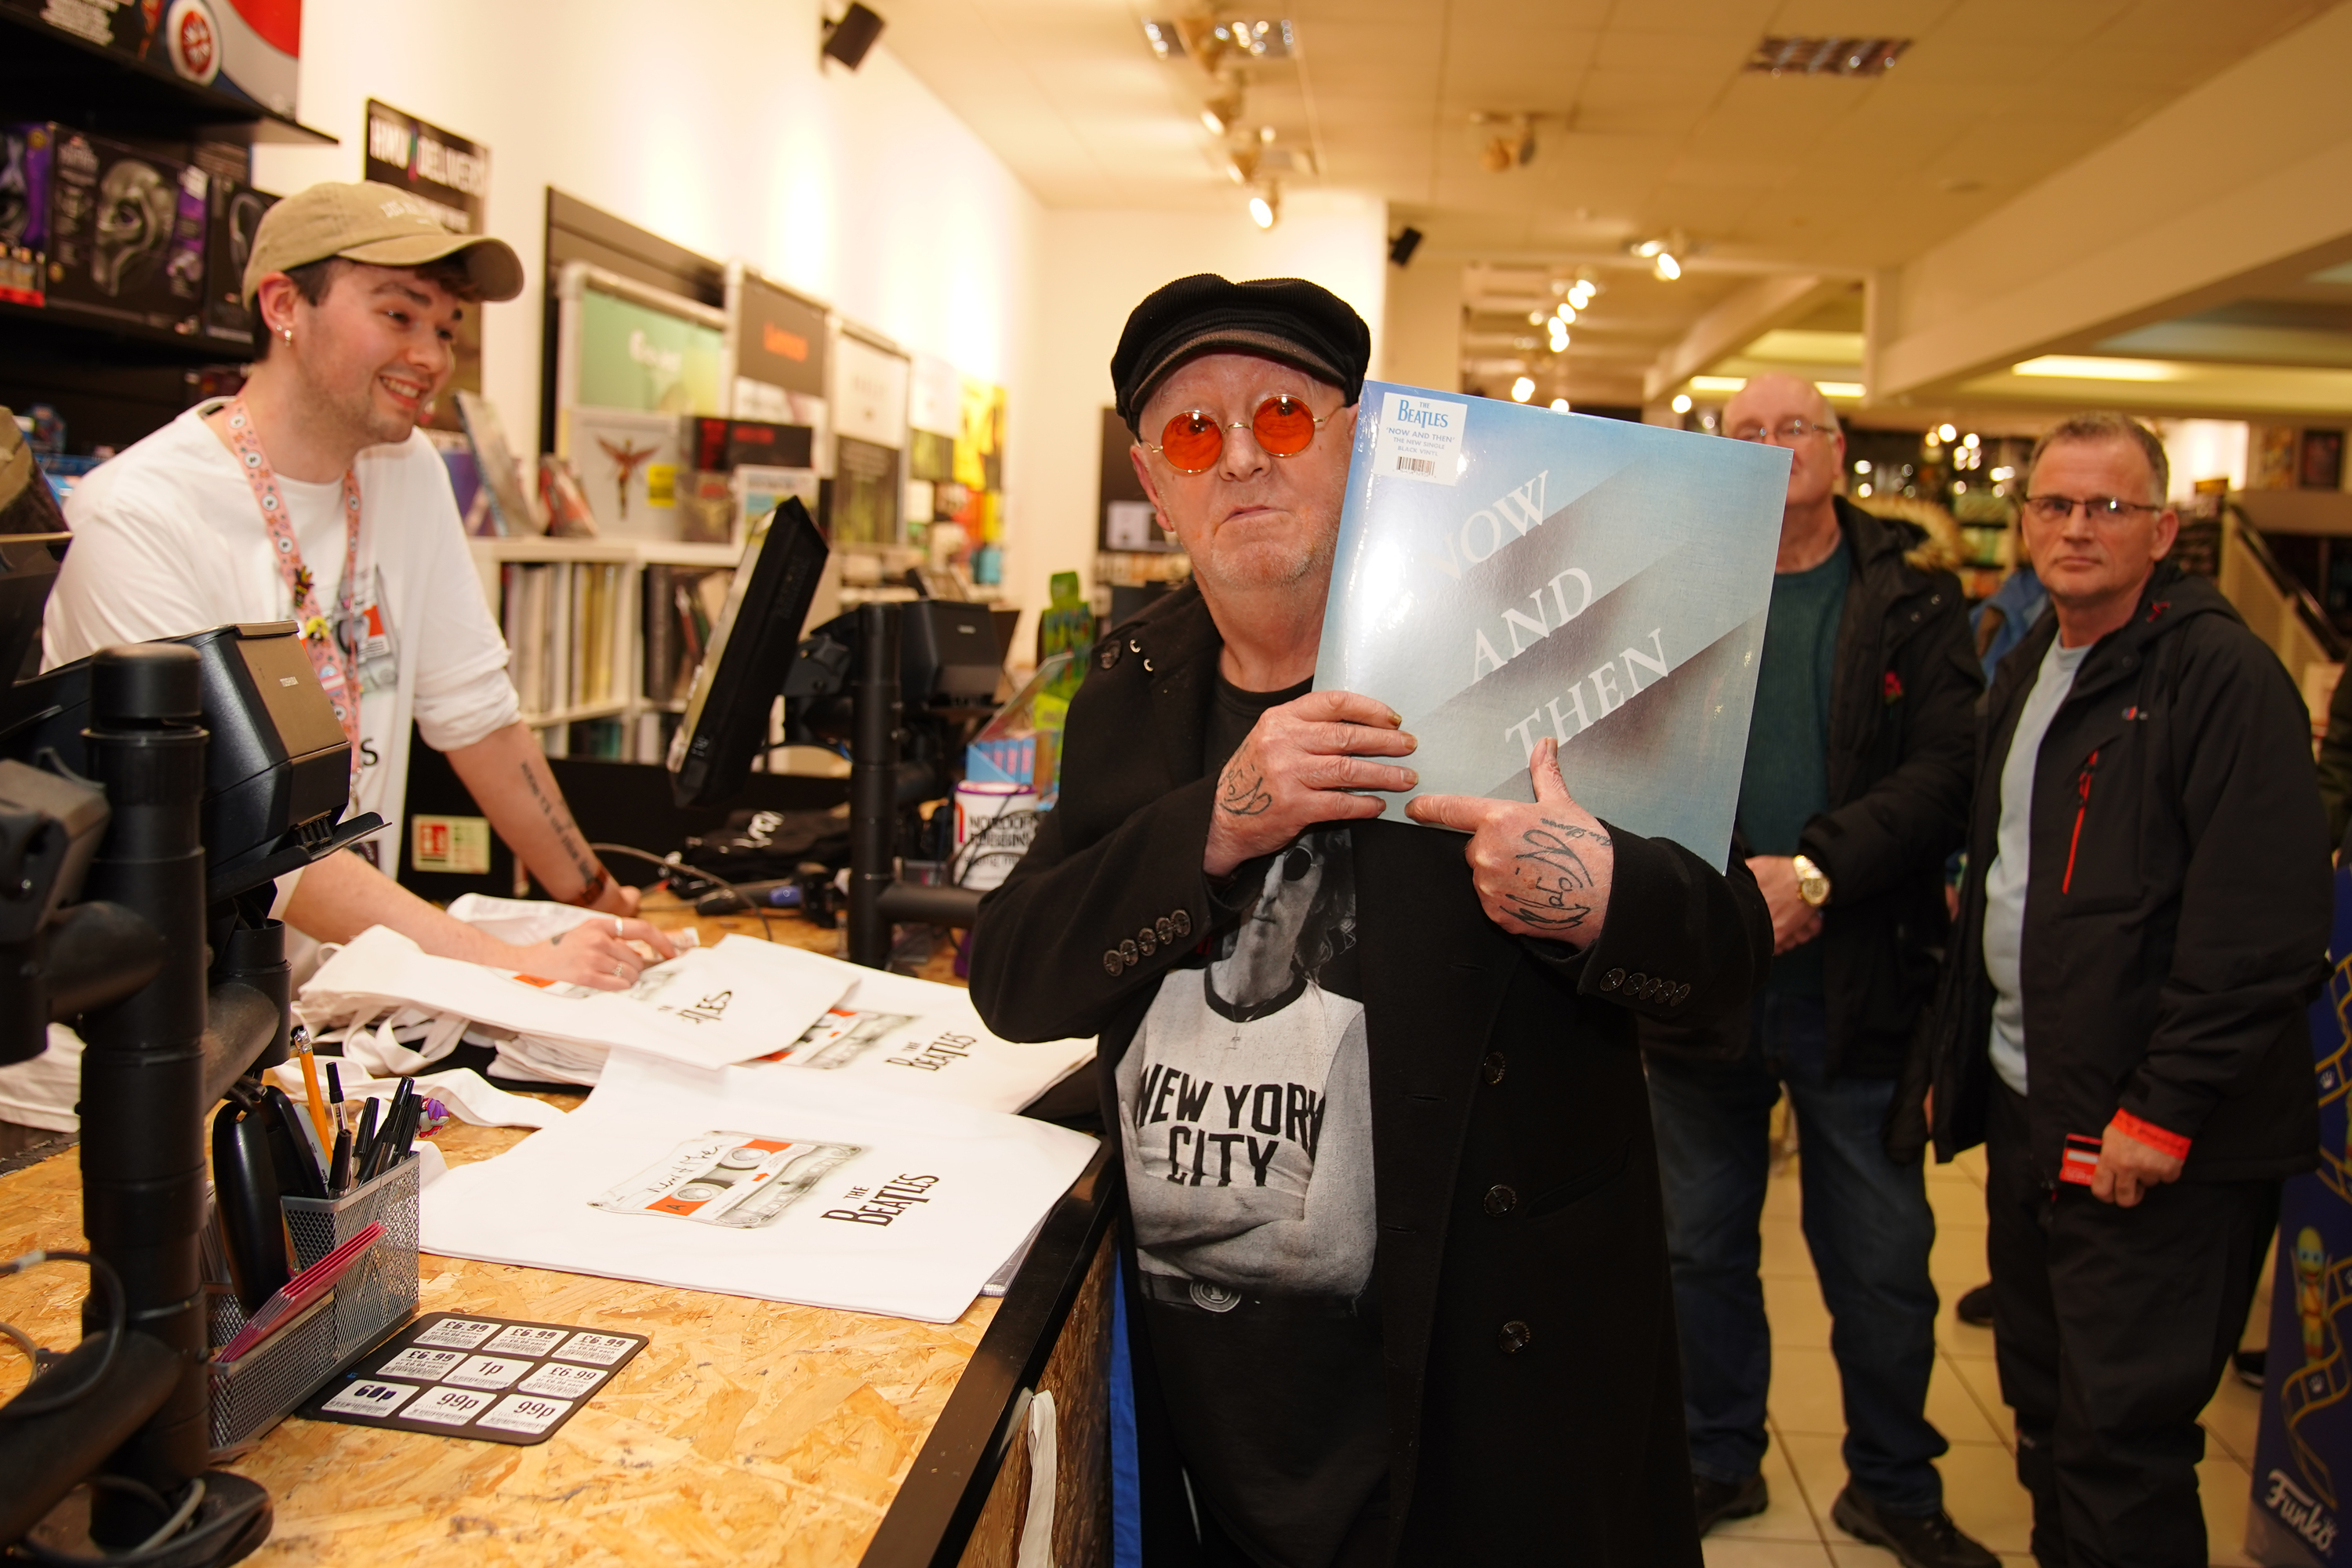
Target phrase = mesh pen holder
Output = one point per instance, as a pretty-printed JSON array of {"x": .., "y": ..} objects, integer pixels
[{"x": 376, "y": 1296}]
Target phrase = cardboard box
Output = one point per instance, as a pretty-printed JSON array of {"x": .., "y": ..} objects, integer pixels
[
  {"x": 25, "y": 159},
  {"x": 236, "y": 211},
  {"x": 126, "y": 233},
  {"x": 248, "y": 48}
]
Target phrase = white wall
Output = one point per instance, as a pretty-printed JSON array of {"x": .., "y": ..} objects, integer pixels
[
  {"x": 2203, "y": 449},
  {"x": 1095, "y": 268},
  {"x": 712, "y": 126}
]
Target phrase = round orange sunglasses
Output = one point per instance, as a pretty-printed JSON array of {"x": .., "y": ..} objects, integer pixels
[{"x": 1192, "y": 441}]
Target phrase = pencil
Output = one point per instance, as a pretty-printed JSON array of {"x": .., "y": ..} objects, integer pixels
[{"x": 301, "y": 1039}]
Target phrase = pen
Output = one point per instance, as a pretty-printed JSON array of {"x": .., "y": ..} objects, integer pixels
[
  {"x": 339, "y": 1175},
  {"x": 363, "y": 1140},
  {"x": 302, "y": 1040},
  {"x": 387, "y": 1133},
  {"x": 335, "y": 1095}
]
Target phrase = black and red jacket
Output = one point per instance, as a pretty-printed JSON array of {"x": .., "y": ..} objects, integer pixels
[{"x": 2176, "y": 905}]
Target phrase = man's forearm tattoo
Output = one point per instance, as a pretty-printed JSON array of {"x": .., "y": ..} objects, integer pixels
[
  {"x": 1551, "y": 883},
  {"x": 1243, "y": 792},
  {"x": 567, "y": 836}
]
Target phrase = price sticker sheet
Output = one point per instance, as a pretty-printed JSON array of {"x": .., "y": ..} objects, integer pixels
[{"x": 495, "y": 1379}]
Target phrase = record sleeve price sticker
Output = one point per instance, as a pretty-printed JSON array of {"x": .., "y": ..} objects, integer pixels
[
  {"x": 492, "y": 1379},
  {"x": 522, "y": 1413},
  {"x": 464, "y": 1334}
]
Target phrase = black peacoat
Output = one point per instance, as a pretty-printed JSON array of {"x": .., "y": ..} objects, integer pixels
[{"x": 1533, "y": 1401}]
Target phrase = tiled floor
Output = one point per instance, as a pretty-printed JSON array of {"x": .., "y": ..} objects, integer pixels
[{"x": 1803, "y": 1469}]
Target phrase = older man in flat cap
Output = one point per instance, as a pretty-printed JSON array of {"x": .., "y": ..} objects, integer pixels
[
  {"x": 1396, "y": 1271},
  {"x": 312, "y": 497}
]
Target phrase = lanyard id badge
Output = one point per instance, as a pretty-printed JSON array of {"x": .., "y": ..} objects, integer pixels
[
  {"x": 337, "y": 668},
  {"x": 366, "y": 633}
]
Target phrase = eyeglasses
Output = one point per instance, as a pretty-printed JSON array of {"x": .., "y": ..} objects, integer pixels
[
  {"x": 1192, "y": 441},
  {"x": 1785, "y": 433},
  {"x": 2098, "y": 509}
]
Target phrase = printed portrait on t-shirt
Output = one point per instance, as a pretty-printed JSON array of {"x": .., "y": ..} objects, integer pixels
[{"x": 1246, "y": 1101}]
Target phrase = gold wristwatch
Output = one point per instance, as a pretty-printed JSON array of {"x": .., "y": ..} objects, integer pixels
[{"x": 1812, "y": 882}]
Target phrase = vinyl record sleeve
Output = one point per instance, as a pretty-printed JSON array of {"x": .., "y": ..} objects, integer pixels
[
  {"x": 926, "y": 1201},
  {"x": 1505, "y": 572}
]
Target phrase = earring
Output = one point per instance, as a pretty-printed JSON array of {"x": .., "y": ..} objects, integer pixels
[{"x": 288, "y": 334}]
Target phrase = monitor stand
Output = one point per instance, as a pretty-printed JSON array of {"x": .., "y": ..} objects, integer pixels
[{"x": 878, "y": 899}]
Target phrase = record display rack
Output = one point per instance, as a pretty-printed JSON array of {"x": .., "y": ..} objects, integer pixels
[{"x": 115, "y": 381}]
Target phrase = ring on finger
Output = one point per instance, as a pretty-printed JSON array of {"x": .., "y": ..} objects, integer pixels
[{"x": 622, "y": 970}]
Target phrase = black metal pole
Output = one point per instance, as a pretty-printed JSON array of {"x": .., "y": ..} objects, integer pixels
[
  {"x": 143, "y": 1160},
  {"x": 873, "y": 784}
]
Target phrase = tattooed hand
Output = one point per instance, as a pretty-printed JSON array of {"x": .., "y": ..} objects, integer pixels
[
  {"x": 1543, "y": 870},
  {"x": 1298, "y": 767}
]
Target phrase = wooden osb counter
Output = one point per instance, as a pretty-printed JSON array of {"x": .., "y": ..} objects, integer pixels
[{"x": 747, "y": 1432}]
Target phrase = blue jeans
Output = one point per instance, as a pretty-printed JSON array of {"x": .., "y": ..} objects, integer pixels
[{"x": 1866, "y": 1222}]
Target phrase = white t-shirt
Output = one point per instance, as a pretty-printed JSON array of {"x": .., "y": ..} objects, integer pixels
[
  {"x": 2004, "y": 925},
  {"x": 168, "y": 539}
]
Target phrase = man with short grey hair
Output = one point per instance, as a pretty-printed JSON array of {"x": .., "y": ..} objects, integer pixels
[
  {"x": 2120, "y": 1023},
  {"x": 1854, "y": 791}
]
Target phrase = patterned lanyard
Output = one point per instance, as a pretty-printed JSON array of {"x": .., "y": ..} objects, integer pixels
[{"x": 338, "y": 670}]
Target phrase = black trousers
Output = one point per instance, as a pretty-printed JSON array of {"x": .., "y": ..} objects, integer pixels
[{"x": 2112, "y": 1327}]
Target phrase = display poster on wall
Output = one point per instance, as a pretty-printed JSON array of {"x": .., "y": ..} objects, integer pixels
[
  {"x": 870, "y": 391},
  {"x": 636, "y": 356},
  {"x": 450, "y": 176},
  {"x": 2303, "y": 1449},
  {"x": 775, "y": 357}
]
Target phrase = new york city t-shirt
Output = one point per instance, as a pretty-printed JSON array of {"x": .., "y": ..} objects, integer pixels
[{"x": 1246, "y": 1103}]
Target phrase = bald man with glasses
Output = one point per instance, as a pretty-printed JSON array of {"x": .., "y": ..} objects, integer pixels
[
  {"x": 1855, "y": 790},
  {"x": 2121, "y": 1020}
]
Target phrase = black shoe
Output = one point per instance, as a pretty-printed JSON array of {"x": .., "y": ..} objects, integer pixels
[
  {"x": 2249, "y": 1366},
  {"x": 1918, "y": 1539},
  {"x": 1715, "y": 1501},
  {"x": 1975, "y": 1306}
]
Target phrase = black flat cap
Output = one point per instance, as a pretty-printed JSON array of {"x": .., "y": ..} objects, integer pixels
[{"x": 1300, "y": 323}]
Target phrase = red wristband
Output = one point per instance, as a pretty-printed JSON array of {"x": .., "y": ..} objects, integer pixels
[
  {"x": 587, "y": 897},
  {"x": 2149, "y": 1134}
]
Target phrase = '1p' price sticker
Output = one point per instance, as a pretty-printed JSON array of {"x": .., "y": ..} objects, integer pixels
[
  {"x": 488, "y": 1372},
  {"x": 524, "y": 1413}
]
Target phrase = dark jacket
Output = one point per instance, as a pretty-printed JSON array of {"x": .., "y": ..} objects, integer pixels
[
  {"x": 1901, "y": 721},
  {"x": 1494, "y": 1062},
  {"x": 2336, "y": 764},
  {"x": 2176, "y": 900}
]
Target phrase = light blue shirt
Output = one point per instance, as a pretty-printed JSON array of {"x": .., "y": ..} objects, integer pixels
[{"x": 2004, "y": 924}]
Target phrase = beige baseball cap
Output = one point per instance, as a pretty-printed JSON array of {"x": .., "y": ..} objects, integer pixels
[{"x": 380, "y": 225}]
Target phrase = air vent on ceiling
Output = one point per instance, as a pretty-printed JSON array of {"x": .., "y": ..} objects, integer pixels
[{"x": 1826, "y": 56}]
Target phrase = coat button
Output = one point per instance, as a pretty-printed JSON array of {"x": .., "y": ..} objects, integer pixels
[
  {"x": 1111, "y": 963},
  {"x": 1500, "y": 1199},
  {"x": 1635, "y": 983},
  {"x": 1147, "y": 942},
  {"x": 1182, "y": 921},
  {"x": 1126, "y": 953},
  {"x": 1613, "y": 979},
  {"x": 1134, "y": 645},
  {"x": 1494, "y": 1066},
  {"x": 1682, "y": 994},
  {"x": 1513, "y": 1337},
  {"x": 1108, "y": 657},
  {"x": 1165, "y": 927}
]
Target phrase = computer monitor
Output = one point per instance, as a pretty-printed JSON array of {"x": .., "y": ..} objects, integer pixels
[{"x": 742, "y": 674}]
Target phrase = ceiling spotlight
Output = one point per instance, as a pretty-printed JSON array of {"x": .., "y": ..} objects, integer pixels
[
  {"x": 1666, "y": 267},
  {"x": 1566, "y": 313},
  {"x": 1536, "y": 318},
  {"x": 1946, "y": 432},
  {"x": 1210, "y": 43},
  {"x": 1523, "y": 389},
  {"x": 1559, "y": 405},
  {"x": 848, "y": 38},
  {"x": 1407, "y": 241},
  {"x": 1682, "y": 404},
  {"x": 1649, "y": 247},
  {"x": 1266, "y": 205},
  {"x": 1971, "y": 441},
  {"x": 1163, "y": 39},
  {"x": 1241, "y": 166}
]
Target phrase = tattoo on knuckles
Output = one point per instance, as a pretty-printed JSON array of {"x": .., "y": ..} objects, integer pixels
[{"x": 1549, "y": 874}]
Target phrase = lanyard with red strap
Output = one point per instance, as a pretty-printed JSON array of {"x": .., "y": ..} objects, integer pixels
[{"x": 337, "y": 667}]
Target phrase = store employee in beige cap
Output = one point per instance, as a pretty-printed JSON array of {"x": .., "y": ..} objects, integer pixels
[{"x": 312, "y": 497}]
